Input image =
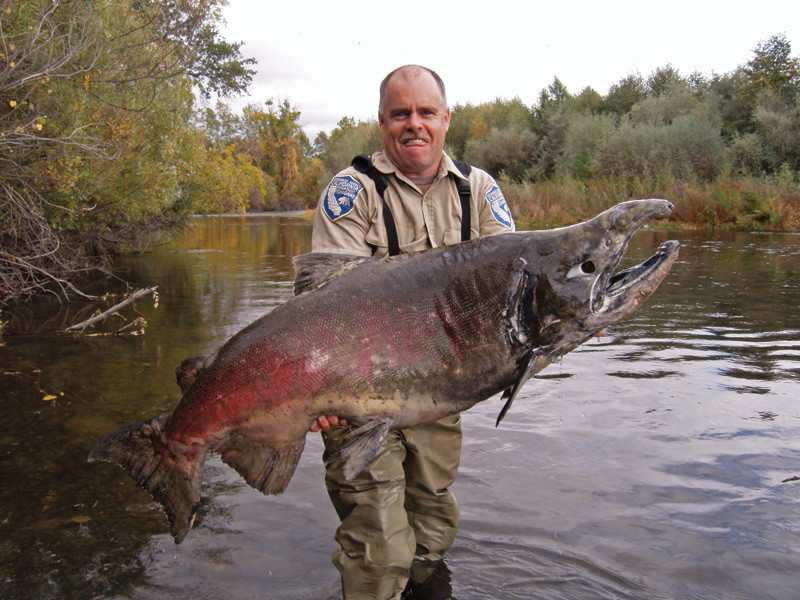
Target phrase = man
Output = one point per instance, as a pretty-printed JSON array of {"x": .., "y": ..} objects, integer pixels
[{"x": 398, "y": 512}]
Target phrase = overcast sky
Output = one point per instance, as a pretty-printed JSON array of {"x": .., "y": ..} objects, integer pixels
[{"x": 327, "y": 57}]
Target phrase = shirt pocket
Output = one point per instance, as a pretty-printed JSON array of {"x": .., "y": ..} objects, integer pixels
[{"x": 378, "y": 239}]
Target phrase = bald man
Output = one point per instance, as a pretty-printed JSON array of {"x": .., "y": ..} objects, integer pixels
[{"x": 398, "y": 517}]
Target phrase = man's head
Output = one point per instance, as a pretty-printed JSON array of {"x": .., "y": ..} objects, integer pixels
[{"x": 414, "y": 119}]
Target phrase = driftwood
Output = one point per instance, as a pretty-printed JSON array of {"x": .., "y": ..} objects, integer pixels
[{"x": 107, "y": 313}]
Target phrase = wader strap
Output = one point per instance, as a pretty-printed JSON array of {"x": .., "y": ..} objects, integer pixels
[{"x": 363, "y": 164}]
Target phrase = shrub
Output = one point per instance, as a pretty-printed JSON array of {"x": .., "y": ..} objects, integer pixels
[
  {"x": 744, "y": 154},
  {"x": 585, "y": 136},
  {"x": 509, "y": 150}
]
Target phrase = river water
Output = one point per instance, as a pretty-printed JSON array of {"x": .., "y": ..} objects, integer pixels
[{"x": 657, "y": 462}]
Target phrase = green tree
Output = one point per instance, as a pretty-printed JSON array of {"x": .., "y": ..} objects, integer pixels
[
  {"x": 624, "y": 94},
  {"x": 551, "y": 99},
  {"x": 663, "y": 80},
  {"x": 585, "y": 138},
  {"x": 221, "y": 126},
  {"x": 778, "y": 127},
  {"x": 735, "y": 106},
  {"x": 348, "y": 139},
  {"x": 773, "y": 68},
  {"x": 588, "y": 101},
  {"x": 508, "y": 151},
  {"x": 497, "y": 114}
]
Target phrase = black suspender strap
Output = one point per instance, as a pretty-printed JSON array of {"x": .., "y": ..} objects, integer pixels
[
  {"x": 463, "y": 194},
  {"x": 363, "y": 164}
]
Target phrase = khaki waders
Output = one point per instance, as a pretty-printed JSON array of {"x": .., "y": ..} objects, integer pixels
[{"x": 398, "y": 510}]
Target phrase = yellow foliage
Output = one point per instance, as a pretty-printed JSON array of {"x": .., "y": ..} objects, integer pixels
[
  {"x": 225, "y": 180},
  {"x": 478, "y": 128}
]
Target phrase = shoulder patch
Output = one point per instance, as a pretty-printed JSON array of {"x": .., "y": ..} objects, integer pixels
[
  {"x": 500, "y": 210},
  {"x": 340, "y": 195}
]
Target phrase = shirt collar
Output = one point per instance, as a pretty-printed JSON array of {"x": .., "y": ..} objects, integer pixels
[{"x": 384, "y": 165}]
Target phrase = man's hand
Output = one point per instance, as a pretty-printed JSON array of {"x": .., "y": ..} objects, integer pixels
[{"x": 326, "y": 423}]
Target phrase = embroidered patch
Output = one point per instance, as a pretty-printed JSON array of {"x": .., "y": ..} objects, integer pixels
[
  {"x": 500, "y": 210},
  {"x": 339, "y": 196}
]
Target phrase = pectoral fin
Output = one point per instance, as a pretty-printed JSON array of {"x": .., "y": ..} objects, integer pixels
[
  {"x": 534, "y": 363},
  {"x": 361, "y": 445},
  {"x": 508, "y": 396}
]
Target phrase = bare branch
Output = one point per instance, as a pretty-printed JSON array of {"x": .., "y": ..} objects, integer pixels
[{"x": 107, "y": 313}]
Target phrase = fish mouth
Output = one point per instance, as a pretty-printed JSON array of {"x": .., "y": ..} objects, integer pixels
[
  {"x": 623, "y": 280},
  {"x": 627, "y": 289}
]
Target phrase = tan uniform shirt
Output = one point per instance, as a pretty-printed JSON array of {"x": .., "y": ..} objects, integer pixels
[{"x": 349, "y": 217}]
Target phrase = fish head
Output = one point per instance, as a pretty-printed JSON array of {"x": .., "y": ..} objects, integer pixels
[{"x": 577, "y": 291}]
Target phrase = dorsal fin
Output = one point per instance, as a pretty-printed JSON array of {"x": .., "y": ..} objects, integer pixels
[{"x": 317, "y": 268}]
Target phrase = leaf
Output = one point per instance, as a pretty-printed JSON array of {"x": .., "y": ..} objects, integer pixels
[{"x": 80, "y": 519}]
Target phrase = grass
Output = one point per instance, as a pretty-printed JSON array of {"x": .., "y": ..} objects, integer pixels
[{"x": 741, "y": 204}]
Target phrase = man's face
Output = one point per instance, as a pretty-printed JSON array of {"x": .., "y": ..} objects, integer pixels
[{"x": 414, "y": 122}]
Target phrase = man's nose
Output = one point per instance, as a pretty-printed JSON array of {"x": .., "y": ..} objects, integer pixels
[{"x": 414, "y": 121}]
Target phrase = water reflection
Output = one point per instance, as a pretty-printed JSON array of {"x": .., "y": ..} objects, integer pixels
[{"x": 652, "y": 463}]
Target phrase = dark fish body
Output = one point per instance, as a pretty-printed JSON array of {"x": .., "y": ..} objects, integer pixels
[{"x": 388, "y": 343}]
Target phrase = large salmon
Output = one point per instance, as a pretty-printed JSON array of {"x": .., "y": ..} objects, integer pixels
[{"x": 388, "y": 343}]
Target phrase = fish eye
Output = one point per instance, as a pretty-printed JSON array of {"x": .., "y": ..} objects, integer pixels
[{"x": 587, "y": 267}]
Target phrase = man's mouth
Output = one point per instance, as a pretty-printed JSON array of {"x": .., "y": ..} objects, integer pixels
[{"x": 415, "y": 141}]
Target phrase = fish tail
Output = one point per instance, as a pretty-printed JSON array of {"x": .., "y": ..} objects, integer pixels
[{"x": 173, "y": 480}]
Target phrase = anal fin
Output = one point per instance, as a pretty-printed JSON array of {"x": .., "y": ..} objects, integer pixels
[
  {"x": 266, "y": 468},
  {"x": 360, "y": 446}
]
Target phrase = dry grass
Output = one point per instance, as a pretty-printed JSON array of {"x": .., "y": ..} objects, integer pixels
[{"x": 748, "y": 204}]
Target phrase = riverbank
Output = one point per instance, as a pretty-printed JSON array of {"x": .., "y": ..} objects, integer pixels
[
  {"x": 733, "y": 204},
  {"x": 729, "y": 204}
]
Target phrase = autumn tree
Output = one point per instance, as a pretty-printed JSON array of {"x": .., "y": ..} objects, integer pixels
[{"x": 95, "y": 103}]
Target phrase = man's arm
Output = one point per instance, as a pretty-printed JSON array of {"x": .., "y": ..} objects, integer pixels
[
  {"x": 342, "y": 220},
  {"x": 340, "y": 227},
  {"x": 494, "y": 215}
]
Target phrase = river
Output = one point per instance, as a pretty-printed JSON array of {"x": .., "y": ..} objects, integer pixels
[{"x": 657, "y": 462}]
